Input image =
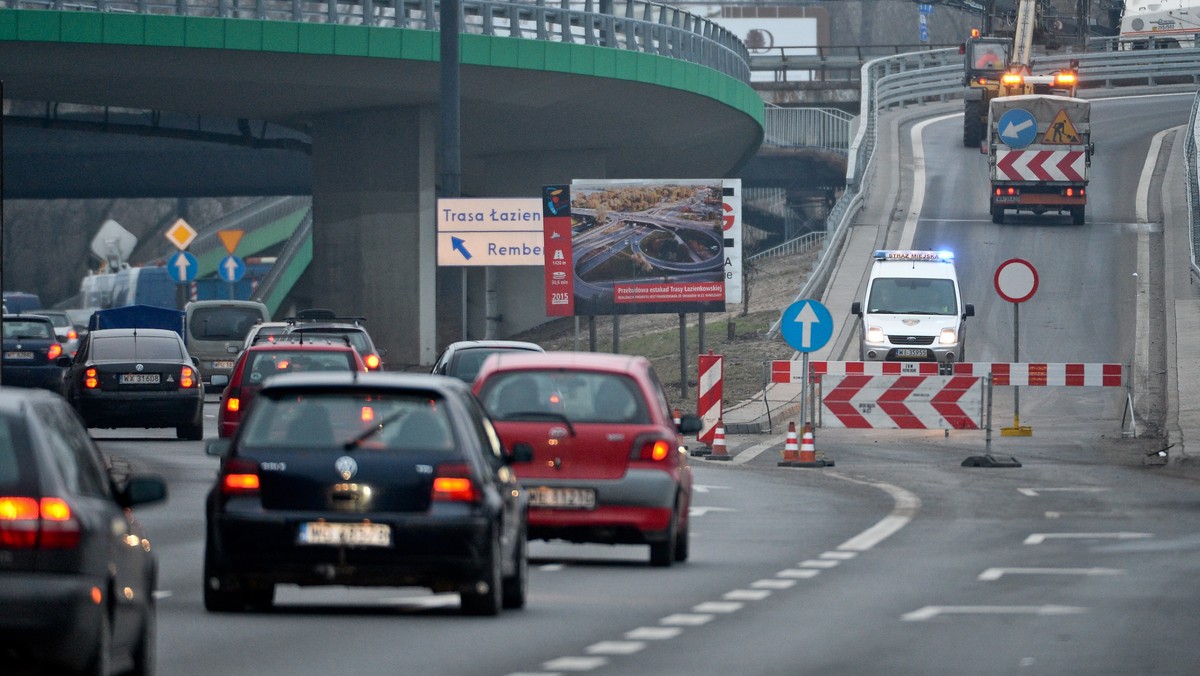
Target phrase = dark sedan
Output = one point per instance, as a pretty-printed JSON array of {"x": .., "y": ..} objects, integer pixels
[
  {"x": 77, "y": 575},
  {"x": 137, "y": 378},
  {"x": 33, "y": 357},
  {"x": 372, "y": 479}
]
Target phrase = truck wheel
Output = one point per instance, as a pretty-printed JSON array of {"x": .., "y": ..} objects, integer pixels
[
  {"x": 972, "y": 124},
  {"x": 1077, "y": 215},
  {"x": 997, "y": 214}
]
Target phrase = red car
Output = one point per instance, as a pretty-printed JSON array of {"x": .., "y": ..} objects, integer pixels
[
  {"x": 259, "y": 362},
  {"x": 609, "y": 463}
]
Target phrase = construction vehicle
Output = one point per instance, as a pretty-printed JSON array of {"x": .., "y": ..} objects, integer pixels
[
  {"x": 998, "y": 62},
  {"x": 1039, "y": 152}
]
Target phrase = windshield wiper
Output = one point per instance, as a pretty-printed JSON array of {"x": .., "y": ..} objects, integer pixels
[
  {"x": 525, "y": 415},
  {"x": 371, "y": 431}
]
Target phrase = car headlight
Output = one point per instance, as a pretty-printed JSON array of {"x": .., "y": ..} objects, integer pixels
[
  {"x": 948, "y": 337},
  {"x": 874, "y": 334}
]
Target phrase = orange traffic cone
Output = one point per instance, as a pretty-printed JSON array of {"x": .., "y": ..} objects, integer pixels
[
  {"x": 791, "y": 450},
  {"x": 808, "y": 450},
  {"x": 676, "y": 417},
  {"x": 719, "y": 452},
  {"x": 806, "y": 456}
]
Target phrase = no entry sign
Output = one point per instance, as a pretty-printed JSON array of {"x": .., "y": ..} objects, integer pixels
[{"x": 1016, "y": 280}]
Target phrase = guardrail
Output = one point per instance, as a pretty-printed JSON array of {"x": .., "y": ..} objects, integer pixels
[
  {"x": 1193, "y": 188},
  {"x": 635, "y": 25},
  {"x": 818, "y": 62},
  {"x": 827, "y": 128}
]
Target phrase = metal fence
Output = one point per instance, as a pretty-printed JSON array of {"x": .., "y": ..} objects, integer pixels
[
  {"x": 634, "y": 25},
  {"x": 1193, "y": 188},
  {"x": 827, "y": 128}
]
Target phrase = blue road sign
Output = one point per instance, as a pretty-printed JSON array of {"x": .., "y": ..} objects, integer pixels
[
  {"x": 806, "y": 325},
  {"x": 1017, "y": 128},
  {"x": 182, "y": 266},
  {"x": 925, "y": 8},
  {"x": 924, "y": 30},
  {"x": 231, "y": 268}
]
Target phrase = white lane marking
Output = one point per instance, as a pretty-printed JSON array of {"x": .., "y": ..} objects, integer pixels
[
  {"x": 576, "y": 663},
  {"x": 798, "y": 573},
  {"x": 906, "y": 506},
  {"x": 1039, "y": 538},
  {"x": 702, "y": 488},
  {"x": 918, "y": 190},
  {"x": 1082, "y": 515},
  {"x": 773, "y": 584},
  {"x": 615, "y": 648},
  {"x": 840, "y": 556},
  {"x": 930, "y": 612},
  {"x": 996, "y": 573},
  {"x": 1141, "y": 204},
  {"x": 746, "y": 594},
  {"x": 1036, "y": 492},
  {"x": 687, "y": 619},
  {"x": 819, "y": 563},
  {"x": 718, "y": 607},
  {"x": 163, "y": 594},
  {"x": 653, "y": 633},
  {"x": 701, "y": 511},
  {"x": 746, "y": 455},
  {"x": 552, "y": 567}
]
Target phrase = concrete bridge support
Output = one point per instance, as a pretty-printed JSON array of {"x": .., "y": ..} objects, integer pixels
[{"x": 374, "y": 248}]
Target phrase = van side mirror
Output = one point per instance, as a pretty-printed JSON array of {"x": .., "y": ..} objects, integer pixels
[
  {"x": 217, "y": 447},
  {"x": 856, "y": 308},
  {"x": 968, "y": 310},
  {"x": 219, "y": 380}
]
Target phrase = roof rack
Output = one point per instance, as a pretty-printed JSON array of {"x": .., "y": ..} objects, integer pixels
[{"x": 321, "y": 315}]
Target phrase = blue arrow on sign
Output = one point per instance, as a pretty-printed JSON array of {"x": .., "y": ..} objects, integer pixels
[
  {"x": 182, "y": 267},
  {"x": 460, "y": 246},
  {"x": 231, "y": 268},
  {"x": 806, "y": 325},
  {"x": 1017, "y": 128}
]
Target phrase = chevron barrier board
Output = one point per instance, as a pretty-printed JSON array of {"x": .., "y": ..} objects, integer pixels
[
  {"x": 1041, "y": 165},
  {"x": 902, "y": 402}
]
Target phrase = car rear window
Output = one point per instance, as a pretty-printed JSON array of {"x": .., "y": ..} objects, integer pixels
[
  {"x": 223, "y": 323},
  {"x": 358, "y": 338},
  {"x": 466, "y": 362},
  {"x": 11, "y": 459},
  {"x": 580, "y": 396},
  {"x": 126, "y": 348},
  {"x": 261, "y": 365},
  {"x": 17, "y": 329},
  {"x": 364, "y": 420}
]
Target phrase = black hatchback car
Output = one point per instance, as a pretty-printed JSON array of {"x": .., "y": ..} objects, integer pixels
[
  {"x": 77, "y": 575},
  {"x": 137, "y": 378},
  {"x": 366, "y": 479},
  {"x": 33, "y": 357}
]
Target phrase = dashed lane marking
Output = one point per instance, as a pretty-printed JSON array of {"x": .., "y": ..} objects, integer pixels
[
  {"x": 1039, "y": 538},
  {"x": 996, "y": 573},
  {"x": 615, "y": 648},
  {"x": 746, "y": 594},
  {"x": 718, "y": 607},
  {"x": 931, "y": 612}
]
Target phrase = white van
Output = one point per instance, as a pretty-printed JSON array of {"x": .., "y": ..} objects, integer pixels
[
  {"x": 216, "y": 330},
  {"x": 913, "y": 310}
]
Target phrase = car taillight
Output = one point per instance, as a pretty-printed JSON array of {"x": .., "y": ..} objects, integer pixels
[
  {"x": 233, "y": 404},
  {"x": 72, "y": 335},
  {"x": 654, "y": 450},
  {"x": 240, "y": 477},
  {"x": 187, "y": 377},
  {"x": 54, "y": 352},
  {"x": 453, "y": 483},
  {"x": 23, "y": 520},
  {"x": 372, "y": 361},
  {"x": 90, "y": 380}
]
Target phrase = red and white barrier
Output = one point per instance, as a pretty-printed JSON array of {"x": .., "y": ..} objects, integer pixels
[
  {"x": 1003, "y": 374},
  {"x": 709, "y": 400},
  {"x": 902, "y": 402}
]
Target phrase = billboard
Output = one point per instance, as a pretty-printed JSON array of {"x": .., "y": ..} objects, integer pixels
[
  {"x": 776, "y": 36},
  {"x": 638, "y": 247}
]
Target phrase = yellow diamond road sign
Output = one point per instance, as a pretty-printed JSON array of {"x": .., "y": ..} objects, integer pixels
[{"x": 181, "y": 234}]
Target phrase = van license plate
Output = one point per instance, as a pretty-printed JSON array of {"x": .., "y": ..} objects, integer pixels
[{"x": 912, "y": 353}]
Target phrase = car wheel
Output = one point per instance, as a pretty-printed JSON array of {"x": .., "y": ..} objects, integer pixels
[
  {"x": 681, "y": 543},
  {"x": 662, "y": 554},
  {"x": 193, "y": 431},
  {"x": 489, "y": 602},
  {"x": 101, "y": 662},
  {"x": 998, "y": 215},
  {"x": 144, "y": 653},
  {"x": 220, "y": 593},
  {"x": 515, "y": 587}
]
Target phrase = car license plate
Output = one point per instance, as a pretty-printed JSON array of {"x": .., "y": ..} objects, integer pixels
[
  {"x": 348, "y": 534},
  {"x": 562, "y": 498},
  {"x": 138, "y": 379},
  {"x": 18, "y": 355},
  {"x": 226, "y": 364},
  {"x": 912, "y": 353}
]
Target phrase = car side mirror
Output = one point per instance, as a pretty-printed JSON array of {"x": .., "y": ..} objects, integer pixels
[
  {"x": 968, "y": 311},
  {"x": 689, "y": 423},
  {"x": 217, "y": 447},
  {"x": 983, "y": 147},
  {"x": 856, "y": 308},
  {"x": 142, "y": 490},
  {"x": 381, "y": 351},
  {"x": 521, "y": 452},
  {"x": 63, "y": 361},
  {"x": 220, "y": 380}
]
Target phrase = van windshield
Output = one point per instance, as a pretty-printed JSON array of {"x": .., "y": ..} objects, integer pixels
[
  {"x": 222, "y": 323},
  {"x": 905, "y": 296}
]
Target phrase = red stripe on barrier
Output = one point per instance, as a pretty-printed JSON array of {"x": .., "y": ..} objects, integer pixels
[
  {"x": 839, "y": 404},
  {"x": 1037, "y": 374},
  {"x": 891, "y": 402},
  {"x": 1000, "y": 374}
]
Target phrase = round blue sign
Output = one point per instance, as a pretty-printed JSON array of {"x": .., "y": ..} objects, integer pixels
[
  {"x": 231, "y": 268},
  {"x": 1017, "y": 128},
  {"x": 806, "y": 325},
  {"x": 182, "y": 266}
]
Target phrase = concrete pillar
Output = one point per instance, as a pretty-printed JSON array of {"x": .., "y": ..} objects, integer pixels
[{"x": 374, "y": 239}]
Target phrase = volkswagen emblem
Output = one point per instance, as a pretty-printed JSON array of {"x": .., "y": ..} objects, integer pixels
[
  {"x": 346, "y": 467},
  {"x": 558, "y": 432},
  {"x": 139, "y": 367}
]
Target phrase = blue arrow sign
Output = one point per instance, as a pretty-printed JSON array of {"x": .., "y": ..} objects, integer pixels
[
  {"x": 231, "y": 268},
  {"x": 1017, "y": 128},
  {"x": 460, "y": 246},
  {"x": 925, "y": 8},
  {"x": 182, "y": 266},
  {"x": 806, "y": 325}
]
